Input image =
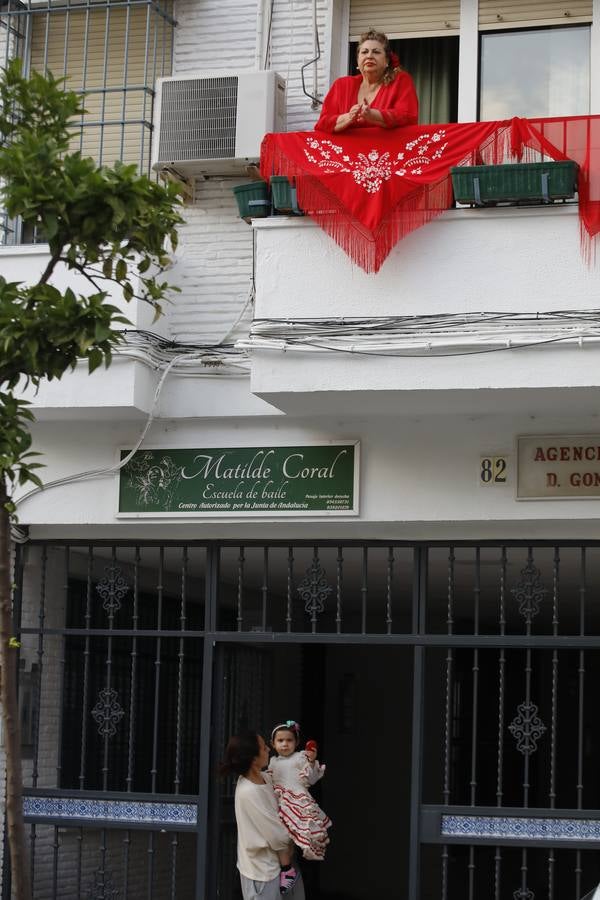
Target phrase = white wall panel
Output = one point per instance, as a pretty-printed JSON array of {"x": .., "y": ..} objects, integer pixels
[
  {"x": 216, "y": 36},
  {"x": 214, "y": 258},
  {"x": 213, "y": 268},
  {"x": 212, "y": 34},
  {"x": 292, "y": 45}
]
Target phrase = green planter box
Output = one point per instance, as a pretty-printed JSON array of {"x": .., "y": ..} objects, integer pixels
[
  {"x": 532, "y": 182},
  {"x": 252, "y": 200},
  {"x": 283, "y": 195}
]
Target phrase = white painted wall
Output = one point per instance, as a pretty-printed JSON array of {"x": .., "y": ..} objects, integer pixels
[
  {"x": 27, "y": 262},
  {"x": 419, "y": 478},
  {"x": 215, "y": 35},
  {"x": 232, "y": 36},
  {"x": 214, "y": 260},
  {"x": 466, "y": 261},
  {"x": 213, "y": 268}
]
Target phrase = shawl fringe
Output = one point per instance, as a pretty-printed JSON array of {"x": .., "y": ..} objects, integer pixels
[{"x": 520, "y": 139}]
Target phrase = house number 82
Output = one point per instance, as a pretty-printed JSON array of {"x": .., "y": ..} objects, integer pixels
[{"x": 493, "y": 470}]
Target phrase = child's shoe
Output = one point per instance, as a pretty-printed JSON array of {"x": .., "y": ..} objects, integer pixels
[{"x": 287, "y": 879}]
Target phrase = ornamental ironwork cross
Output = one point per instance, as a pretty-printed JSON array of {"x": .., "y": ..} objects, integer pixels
[
  {"x": 529, "y": 592},
  {"x": 523, "y": 894},
  {"x": 101, "y": 888},
  {"x": 112, "y": 589},
  {"x": 527, "y": 728},
  {"x": 314, "y": 589},
  {"x": 108, "y": 712}
]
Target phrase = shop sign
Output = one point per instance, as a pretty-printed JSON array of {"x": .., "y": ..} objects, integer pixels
[
  {"x": 318, "y": 479},
  {"x": 555, "y": 466}
]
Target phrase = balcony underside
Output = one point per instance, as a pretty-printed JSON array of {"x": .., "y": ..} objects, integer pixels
[{"x": 513, "y": 262}]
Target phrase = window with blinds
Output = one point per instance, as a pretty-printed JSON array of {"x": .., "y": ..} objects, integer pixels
[
  {"x": 405, "y": 18},
  {"x": 112, "y": 54},
  {"x": 521, "y": 13}
]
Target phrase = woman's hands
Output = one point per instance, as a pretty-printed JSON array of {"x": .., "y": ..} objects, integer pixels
[
  {"x": 372, "y": 116},
  {"x": 345, "y": 120},
  {"x": 357, "y": 113}
]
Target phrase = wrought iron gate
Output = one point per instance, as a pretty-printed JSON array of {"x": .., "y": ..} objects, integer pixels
[{"x": 138, "y": 660}]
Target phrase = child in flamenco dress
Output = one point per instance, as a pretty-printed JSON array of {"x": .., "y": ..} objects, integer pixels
[{"x": 293, "y": 771}]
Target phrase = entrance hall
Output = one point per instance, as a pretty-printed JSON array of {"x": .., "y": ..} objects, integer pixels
[{"x": 356, "y": 701}]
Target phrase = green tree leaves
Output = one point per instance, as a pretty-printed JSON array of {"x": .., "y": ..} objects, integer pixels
[{"x": 108, "y": 224}]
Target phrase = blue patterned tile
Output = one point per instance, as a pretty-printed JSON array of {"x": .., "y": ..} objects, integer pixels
[
  {"x": 521, "y": 827},
  {"x": 132, "y": 811}
]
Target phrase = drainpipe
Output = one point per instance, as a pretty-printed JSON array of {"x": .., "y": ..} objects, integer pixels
[{"x": 259, "y": 43}]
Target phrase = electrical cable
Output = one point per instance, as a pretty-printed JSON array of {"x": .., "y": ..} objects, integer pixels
[
  {"x": 432, "y": 352},
  {"x": 442, "y": 320},
  {"x": 436, "y": 355},
  {"x": 95, "y": 473},
  {"x": 300, "y": 334},
  {"x": 157, "y": 353},
  {"x": 249, "y": 299},
  {"x": 513, "y": 330},
  {"x": 315, "y": 100}
]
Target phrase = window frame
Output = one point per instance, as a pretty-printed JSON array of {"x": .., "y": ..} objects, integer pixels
[
  {"x": 530, "y": 28},
  {"x": 337, "y": 32}
]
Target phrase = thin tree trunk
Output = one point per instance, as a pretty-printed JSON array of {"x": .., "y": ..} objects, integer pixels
[{"x": 21, "y": 887}]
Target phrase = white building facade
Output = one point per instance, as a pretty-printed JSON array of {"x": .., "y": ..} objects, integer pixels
[{"x": 415, "y": 579}]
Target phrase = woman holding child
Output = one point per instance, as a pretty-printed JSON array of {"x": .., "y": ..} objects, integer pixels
[{"x": 264, "y": 849}]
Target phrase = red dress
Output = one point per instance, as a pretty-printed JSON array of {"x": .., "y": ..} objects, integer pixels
[{"x": 397, "y": 102}]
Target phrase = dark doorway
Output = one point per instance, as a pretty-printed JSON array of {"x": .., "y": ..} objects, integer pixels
[{"x": 356, "y": 702}]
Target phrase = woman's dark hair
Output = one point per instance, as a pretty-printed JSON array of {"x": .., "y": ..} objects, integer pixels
[{"x": 241, "y": 749}]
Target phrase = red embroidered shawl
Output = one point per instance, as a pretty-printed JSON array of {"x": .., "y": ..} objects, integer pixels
[{"x": 369, "y": 187}]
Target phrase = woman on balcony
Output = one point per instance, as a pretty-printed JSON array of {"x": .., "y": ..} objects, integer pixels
[{"x": 382, "y": 95}]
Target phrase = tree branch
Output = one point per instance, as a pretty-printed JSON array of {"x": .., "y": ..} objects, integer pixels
[
  {"x": 51, "y": 265},
  {"x": 84, "y": 270},
  {"x": 80, "y": 267}
]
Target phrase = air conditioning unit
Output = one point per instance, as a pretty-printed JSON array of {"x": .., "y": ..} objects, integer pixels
[{"x": 212, "y": 123}]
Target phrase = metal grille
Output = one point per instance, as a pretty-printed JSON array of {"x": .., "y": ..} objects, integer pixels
[
  {"x": 479, "y": 665},
  {"x": 198, "y": 119},
  {"x": 316, "y": 589},
  {"x": 116, "y": 632},
  {"x": 517, "y": 721},
  {"x": 112, "y": 53}
]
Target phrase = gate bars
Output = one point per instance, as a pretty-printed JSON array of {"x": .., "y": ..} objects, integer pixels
[{"x": 506, "y": 662}]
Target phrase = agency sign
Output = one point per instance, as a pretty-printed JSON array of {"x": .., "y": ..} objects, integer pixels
[
  {"x": 319, "y": 479},
  {"x": 555, "y": 466}
]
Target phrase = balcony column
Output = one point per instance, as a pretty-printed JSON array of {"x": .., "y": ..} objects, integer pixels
[
  {"x": 468, "y": 61},
  {"x": 595, "y": 60}
]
